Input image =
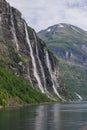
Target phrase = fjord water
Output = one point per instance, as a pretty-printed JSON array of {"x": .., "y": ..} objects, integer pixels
[{"x": 69, "y": 116}]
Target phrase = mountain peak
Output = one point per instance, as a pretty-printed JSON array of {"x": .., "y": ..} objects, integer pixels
[
  {"x": 63, "y": 26},
  {"x": 69, "y": 39}
]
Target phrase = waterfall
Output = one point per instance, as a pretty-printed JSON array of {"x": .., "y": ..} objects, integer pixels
[
  {"x": 52, "y": 78},
  {"x": 13, "y": 30},
  {"x": 33, "y": 61},
  {"x": 78, "y": 96},
  {"x": 41, "y": 67}
]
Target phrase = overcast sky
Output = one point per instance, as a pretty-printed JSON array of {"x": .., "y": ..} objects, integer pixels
[{"x": 41, "y": 14}]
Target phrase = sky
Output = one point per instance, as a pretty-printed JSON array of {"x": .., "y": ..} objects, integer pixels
[{"x": 41, "y": 14}]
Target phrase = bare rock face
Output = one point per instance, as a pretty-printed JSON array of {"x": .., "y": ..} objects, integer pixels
[{"x": 27, "y": 54}]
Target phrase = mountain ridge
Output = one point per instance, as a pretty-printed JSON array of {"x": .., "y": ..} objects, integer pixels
[
  {"x": 70, "y": 42},
  {"x": 23, "y": 55}
]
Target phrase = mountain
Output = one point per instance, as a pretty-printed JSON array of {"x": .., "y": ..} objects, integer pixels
[
  {"x": 29, "y": 72},
  {"x": 69, "y": 43}
]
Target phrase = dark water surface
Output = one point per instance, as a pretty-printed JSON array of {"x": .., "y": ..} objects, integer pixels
[{"x": 69, "y": 116}]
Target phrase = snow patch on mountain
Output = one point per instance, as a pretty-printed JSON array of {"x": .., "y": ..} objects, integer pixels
[
  {"x": 61, "y": 26},
  {"x": 48, "y": 30}
]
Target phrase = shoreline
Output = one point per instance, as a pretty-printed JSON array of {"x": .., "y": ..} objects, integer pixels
[
  {"x": 25, "y": 105},
  {"x": 33, "y": 104}
]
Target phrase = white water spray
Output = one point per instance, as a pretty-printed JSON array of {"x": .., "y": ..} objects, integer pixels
[
  {"x": 33, "y": 61},
  {"x": 41, "y": 67},
  {"x": 78, "y": 96},
  {"x": 42, "y": 71},
  {"x": 50, "y": 71},
  {"x": 13, "y": 30}
]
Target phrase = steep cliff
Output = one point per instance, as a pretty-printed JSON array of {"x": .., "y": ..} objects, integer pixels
[{"x": 26, "y": 56}]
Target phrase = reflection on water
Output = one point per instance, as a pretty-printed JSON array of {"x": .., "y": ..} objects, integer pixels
[
  {"x": 71, "y": 116},
  {"x": 47, "y": 118}
]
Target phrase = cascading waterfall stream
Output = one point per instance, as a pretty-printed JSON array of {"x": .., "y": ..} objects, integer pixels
[
  {"x": 13, "y": 30},
  {"x": 78, "y": 96},
  {"x": 42, "y": 70},
  {"x": 50, "y": 71},
  {"x": 33, "y": 61}
]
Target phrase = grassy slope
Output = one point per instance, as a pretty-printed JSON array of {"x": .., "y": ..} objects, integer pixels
[
  {"x": 75, "y": 78},
  {"x": 15, "y": 90}
]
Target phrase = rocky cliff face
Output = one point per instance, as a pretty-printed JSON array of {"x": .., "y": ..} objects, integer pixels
[{"x": 25, "y": 55}]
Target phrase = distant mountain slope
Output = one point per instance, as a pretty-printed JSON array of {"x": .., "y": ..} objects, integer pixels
[
  {"x": 75, "y": 78},
  {"x": 69, "y": 43}
]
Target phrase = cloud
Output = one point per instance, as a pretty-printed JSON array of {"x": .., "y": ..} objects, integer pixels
[{"x": 44, "y": 13}]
